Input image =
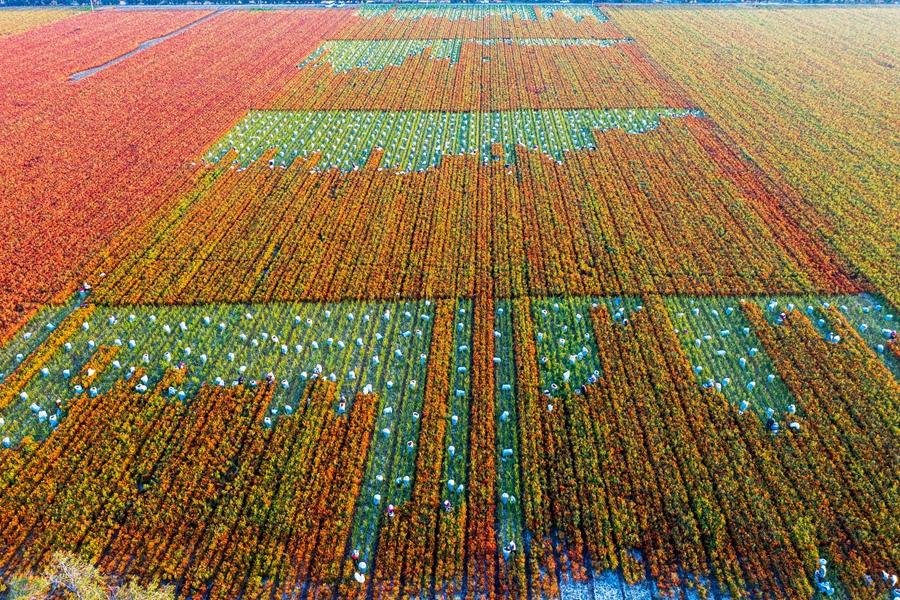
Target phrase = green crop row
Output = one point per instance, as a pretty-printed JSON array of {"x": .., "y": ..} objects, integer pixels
[
  {"x": 416, "y": 140},
  {"x": 378, "y": 347},
  {"x": 474, "y": 12}
]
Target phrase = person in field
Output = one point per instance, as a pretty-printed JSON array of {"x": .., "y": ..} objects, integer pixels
[
  {"x": 821, "y": 575},
  {"x": 509, "y": 550}
]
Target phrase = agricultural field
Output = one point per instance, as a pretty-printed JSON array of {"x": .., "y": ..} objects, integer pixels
[
  {"x": 13, "y": 22},
  {"x": 514, "y": 302}
]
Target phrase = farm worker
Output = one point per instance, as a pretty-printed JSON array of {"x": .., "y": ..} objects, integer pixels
[
  {"x": 772, "y": 425},
  {"x": 355, "y": 554},
  {"x": 270, "y": 377},
  {"x": 509, "y": 549},
  {"x": 447, "y": 506},
  {"x": 390, "y": 510},
  {"x": 820, "y": 577}
]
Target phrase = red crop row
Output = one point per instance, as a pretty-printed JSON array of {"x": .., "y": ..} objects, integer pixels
[{"x": 481, "y": 537}]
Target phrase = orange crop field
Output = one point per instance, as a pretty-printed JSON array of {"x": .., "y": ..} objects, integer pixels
[{"x": 448, "y": 300}]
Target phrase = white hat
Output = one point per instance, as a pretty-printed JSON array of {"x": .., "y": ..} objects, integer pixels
[{"x": 823, "y": 562}]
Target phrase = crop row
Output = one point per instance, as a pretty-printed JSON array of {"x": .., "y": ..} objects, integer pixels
[
  {"x": 356, "y": 344},
  {"x": 681, "y": 471},
  {"x": 727, "y": 355},
  {"x": 510, "y": 523},
  {"x": 70, "y": 45},
  {"x": 475, "y": 21},
  {"x": 176, "y": 479},
  {"x": 374, "y": 527},
  {"x": 377, "y": 347},
  {"x": 375, "y": 55},
  {"x": 415, "y": 140},
  {"x": 551, "y": 229},
  {"x": 34, "y": 333},
  {"x": 853, "y": 151},
  {"x": 476, "y": 12},
  {"x": 486, "y": 74},
  {"x": 452, "y": 13}
]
